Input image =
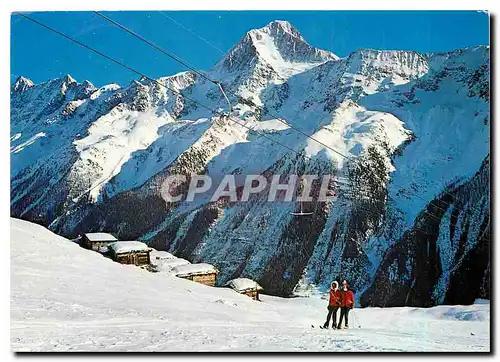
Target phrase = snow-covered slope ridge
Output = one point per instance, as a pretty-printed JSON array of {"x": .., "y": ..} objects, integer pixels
[
  {"x": 86, "y": 159},
  {"x": 65, "y": 298},
  {"x": 280, "y": 46}
]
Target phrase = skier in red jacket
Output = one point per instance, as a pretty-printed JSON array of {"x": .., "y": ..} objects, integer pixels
[
  {"x": 333, "y": 304},
  {"x": 346, "y": 304}
]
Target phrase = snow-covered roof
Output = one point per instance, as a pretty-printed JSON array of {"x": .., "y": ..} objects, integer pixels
[
  {"x": 120, "y": 247},
  {"x": 161, "y": 255},
  {"x": 100, "y": 237},
  {"x": 464, "y": 328},
  {"x": 194, "y": 269},
  {"x": 174, "y": 262},
  {"x": 166, "y": 265},
  {"x": 243, "y": 284}
]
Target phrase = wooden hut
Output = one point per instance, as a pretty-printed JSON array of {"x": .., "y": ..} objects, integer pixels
[
  {"x": 97, "y": 241},
  {"x": 166, "y": 266},
  {"x": 200, "y": 273},
  {"x": 130, "y": 252},
  {"x": 245, "y": 286}
]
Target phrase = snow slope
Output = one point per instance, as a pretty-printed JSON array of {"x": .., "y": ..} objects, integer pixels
[{"x": 65, "y": 298}]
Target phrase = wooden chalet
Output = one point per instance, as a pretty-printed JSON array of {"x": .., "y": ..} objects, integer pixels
[
  {"x": 245, "y": 286},
  {"x": 161, "y": 255},
  {"x": 97, "y": 241},
  {"x": 130, "y": 252},
  {"x": 166, "y": 265},
  {"x": 200, "y": 273}
]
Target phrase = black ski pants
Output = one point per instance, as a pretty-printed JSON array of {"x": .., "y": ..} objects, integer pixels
[
  {"x": 332, "y": 311},
  {"x": 344, "y": 312}
]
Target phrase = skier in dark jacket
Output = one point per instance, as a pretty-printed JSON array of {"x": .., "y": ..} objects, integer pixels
[
  {"x": 333, "y": 304},
  {"x": 347, "y": 303}
]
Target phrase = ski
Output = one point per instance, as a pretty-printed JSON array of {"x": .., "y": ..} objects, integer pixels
[
  {"x": 320, "y": 327},
  {"x": 333, "y": 329}
]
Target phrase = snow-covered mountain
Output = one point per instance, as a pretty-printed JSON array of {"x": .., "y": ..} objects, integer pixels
[{"x": 404, "y": 229}]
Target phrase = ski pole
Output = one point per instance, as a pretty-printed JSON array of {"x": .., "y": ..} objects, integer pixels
[{"x": 353, "y": 319}]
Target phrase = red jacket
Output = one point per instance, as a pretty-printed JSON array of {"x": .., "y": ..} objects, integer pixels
[
  {"x": 346, "y": 298},
  {"x": 335, "y": 298}
]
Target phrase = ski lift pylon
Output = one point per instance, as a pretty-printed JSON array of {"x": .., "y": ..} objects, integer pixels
[
  {"x": 223, "y": 115},
  {"x": 225, "y": 96},
  {"x": 301, "y": 213},
  {"x": 303, "y": 182}
]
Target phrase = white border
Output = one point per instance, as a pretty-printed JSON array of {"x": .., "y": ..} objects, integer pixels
[{"x": 32, "y": 5}]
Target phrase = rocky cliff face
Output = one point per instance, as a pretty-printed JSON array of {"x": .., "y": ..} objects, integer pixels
[
  {"x": 443, "y": 259},
  {"x": 87, "y": 159}
]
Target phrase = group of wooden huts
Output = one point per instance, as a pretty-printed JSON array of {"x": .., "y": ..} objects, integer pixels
[{"x": 139, "y": 254}]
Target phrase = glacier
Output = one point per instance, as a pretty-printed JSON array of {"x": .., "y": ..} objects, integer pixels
[{"x": 85, "y": 302}]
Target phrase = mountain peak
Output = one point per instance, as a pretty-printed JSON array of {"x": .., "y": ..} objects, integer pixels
[
  {"x": 283, "y": 26},
  {"x": 278, "y": 44},
  {"x": 68, "y": 79},
  {"x": 22, "y": 84}
]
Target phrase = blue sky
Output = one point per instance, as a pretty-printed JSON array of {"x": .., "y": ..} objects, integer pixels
[{"x": 41, "y": 55}]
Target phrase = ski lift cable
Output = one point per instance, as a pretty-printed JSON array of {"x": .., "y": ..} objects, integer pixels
[
  {"x": 250, "y": 101},
  {"x": 277, "y": 117},
  {"x": 152, "y": 79},
  {"x": 194, "y": 33},
  {"x": 170, "y": 55},
  {"x": 215, "y": 47},
  {"x": 352, "y": 159},
  {"x": 218, "y": 101},
  {"x": 225, "y": 96},
  {"x": 101, "y": 182},
  {"x": 280, "y": 119},
  {"x": 160, "y": 84},
  {"x": 302, "y": 184},
  {"x": 185, "y": 64},
  {"x": 356, "y": 161},
  {"x": 308, "y": 254},
  {"x": 343, "y": 243}
]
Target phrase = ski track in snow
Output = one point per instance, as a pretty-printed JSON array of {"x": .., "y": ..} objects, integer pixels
[{"x": 65, "y": 298}]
